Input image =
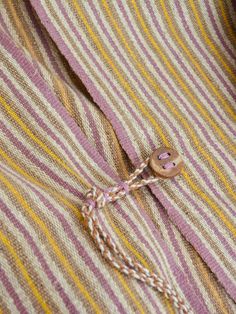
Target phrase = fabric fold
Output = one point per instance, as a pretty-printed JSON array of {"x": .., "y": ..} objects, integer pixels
[
  {"x": 156, "y": 88},
  {"x": 71, "y": 180}
]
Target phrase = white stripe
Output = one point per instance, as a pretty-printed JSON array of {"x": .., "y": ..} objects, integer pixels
[
  {"x": 24, "y": 298},
  {"x": 46, "y": 108},
  {"x": 78, "y": 232}
]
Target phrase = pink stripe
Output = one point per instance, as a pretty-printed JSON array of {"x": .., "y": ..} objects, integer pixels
[
  {"x": 193, "y": 238},
  {"x": 38, "y": 81},
  {"x": 56, "y": 284},
  {"x": 54, "y": 137},
  {"x": 54, "y": 64},
  {"x": 164, "y": 78},
  {"x": 213, "y": 143},
  {"x": 200, "y": 50},
  {"x": 94, "y": 92},
  {"x": 37, "y": 162},
  {"x": 218, "y": 33},
  {"x": 169, "y": 226},
  {"x": 98, "y": 98},
  {"x": 12, "y": 292},
  {"x": 178, "y": 273},
  {"x": 27, "y": 153},
  {"x": 74, "y": 239}
]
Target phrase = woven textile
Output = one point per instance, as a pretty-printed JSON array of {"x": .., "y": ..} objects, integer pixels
[{"x": 88, "y": 90}]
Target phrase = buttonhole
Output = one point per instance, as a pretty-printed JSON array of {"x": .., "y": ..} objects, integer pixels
[
  {"x": 169, "y": 165},
  {"x": 164, "y": 155}
]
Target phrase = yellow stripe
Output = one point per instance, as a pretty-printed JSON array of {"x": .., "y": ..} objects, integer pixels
[
  {"x": 127, "y": 244},
  {"x": 144, "y": 73},
  {"x": 22, "y": 268},
  {"x": 21, "y": 29},
  {"x": 212, "y": 205},
  {"x": 152, "y": 120},
  {"x": 122, "y": 165},
  {"x": 210, "y": 285},
  {"x": 3, "y": 303},
  {"x": 26, "y": 129},
  {"x": 170, "y": 306},
  {"x": 184, "y": 122},
  {"x": 195, "y": 63},
  {"x": 178, "y": 78},
  {"x": 226, "y": 21},
  {"x": 137, "y": 255},
  {"x": 125, "y": 83},
  {"x": 128, "y": 290},
  {"x": 32, "y": 214},
  {"x": 75, "y": 211},
  {"x": 122, "y": 168},
  {"x": 32, "y": 179},
  {"x": 210, "y": 43},
  {"x": 119, "y": 75},
  {"x": 120, "y": 277},
  {"x": 59, "y": 196},
  {"x": 63, "y": 95}
]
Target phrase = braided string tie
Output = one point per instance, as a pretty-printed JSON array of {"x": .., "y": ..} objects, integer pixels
[{"x": 115, "y": 255}]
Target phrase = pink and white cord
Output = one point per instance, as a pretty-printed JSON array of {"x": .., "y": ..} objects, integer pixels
[{"x": 96, "y": 200}]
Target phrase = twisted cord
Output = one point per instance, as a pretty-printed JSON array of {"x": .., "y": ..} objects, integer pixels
[{"x": 96, "y": 200}]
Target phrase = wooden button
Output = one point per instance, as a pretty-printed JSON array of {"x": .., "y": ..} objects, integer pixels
[{"x": 166, "y": 162}]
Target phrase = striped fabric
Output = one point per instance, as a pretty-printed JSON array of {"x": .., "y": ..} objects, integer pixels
[{"x": 88, "y": 89}]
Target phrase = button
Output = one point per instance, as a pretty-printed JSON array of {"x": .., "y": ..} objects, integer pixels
[{"x": 166, "y": 162}]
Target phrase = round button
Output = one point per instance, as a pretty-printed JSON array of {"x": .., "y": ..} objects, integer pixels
[{"x": 166, "y": 162}]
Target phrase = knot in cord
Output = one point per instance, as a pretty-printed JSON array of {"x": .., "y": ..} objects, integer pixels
[{"x": 98, "y": 199}]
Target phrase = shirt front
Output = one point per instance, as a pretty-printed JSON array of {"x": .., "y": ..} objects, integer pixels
[{"x": 88, "y": 91}]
